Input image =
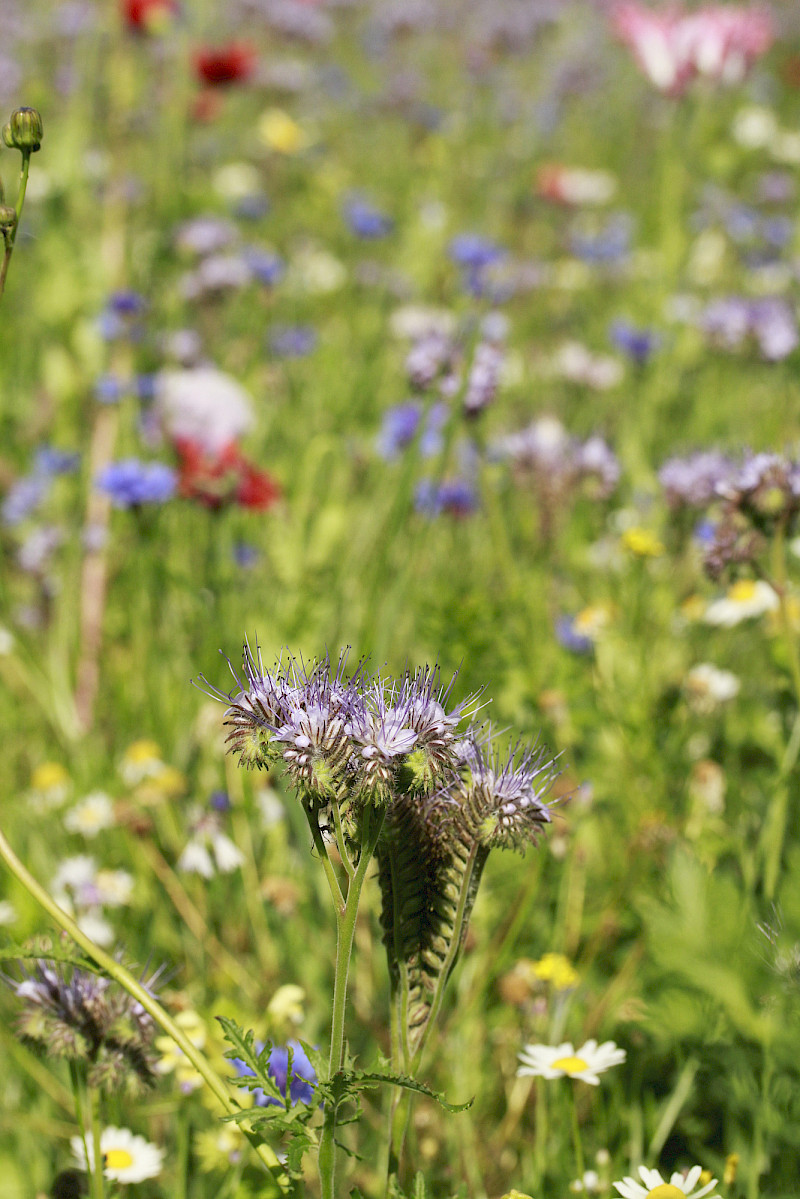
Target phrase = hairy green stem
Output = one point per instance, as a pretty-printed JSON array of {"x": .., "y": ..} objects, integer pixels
[
  {"x": 134, "y": 988},
  {"x": 371, "y": 824},
  {"x": 98, "y": 1188}
]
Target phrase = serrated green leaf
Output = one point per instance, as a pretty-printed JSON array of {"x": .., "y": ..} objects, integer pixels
[
  {"x": 345, "y": 1086},
  {"x": 17, "y": 951}
]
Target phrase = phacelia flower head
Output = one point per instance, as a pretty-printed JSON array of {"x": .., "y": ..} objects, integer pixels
[
  {"x": 300, "y": 714},
  {"x": 499, "y": 801},
  {"x": 71, "y": 1013}
]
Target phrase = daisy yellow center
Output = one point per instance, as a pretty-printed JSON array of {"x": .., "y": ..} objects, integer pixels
[
  {"x": 571, "y": 1065},
  {"x": 666, "y": 1191},
  {"x": 118, "y": 1159},
  {"x": 740, "y": 592}
]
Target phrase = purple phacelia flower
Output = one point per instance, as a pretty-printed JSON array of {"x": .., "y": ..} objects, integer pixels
[
  {"x": 454, "y": 496},
  {"x": 131, "y": 483},
  {"x": 694, "y": 481}
]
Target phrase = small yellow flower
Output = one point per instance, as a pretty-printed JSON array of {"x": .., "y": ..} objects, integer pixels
[
  {"x": 219, "y": 1148},
  {"x": 286, "y": 1005},
  {"x": 731, "y": 1166},
  {"x": 643, "y": 543},
  {"x": 693, "y": 608},
  {"x": 141, "y": 760},
  {"x": 50, "y": 784},
  {"x": 173, "y": 1059},
  {"x": 592, "y": 621},
  {"x": 279, "y": 132},
  {"x": 556, "y": 969}
]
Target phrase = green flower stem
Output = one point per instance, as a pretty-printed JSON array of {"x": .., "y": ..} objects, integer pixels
[
  {"x": 576, "y": 1133},
  {"x": 77, "y": 1091},
  {"x": 327, "y": 865},
  {"x": 371, "y": 825},
  {"x": 775, "y": 829},
  {"x": 125, "y": 979},
  {"x": 12, "y": 236},
  {"x": 349, "y": 868},
  {"x": 98, "y": 1189}
]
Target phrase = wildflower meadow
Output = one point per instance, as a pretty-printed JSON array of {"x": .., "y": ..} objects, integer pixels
[{"x": 400, "y": 599}]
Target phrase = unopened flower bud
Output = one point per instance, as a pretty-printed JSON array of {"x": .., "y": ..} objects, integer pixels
[
  {"x": 24, "y": 131},
  {"x": 8, "y": 218}
]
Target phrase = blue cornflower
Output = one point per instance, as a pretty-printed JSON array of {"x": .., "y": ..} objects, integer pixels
[
  {"x": 265, "y": 266},
  {"x": 474, "y": 252},
  {"x": 292, "y": 341},
  {"x": 456, "y": 496},
  {"x": 24, "y": 497},
  {"x": 126, "y": 303},
  {"x": 301, "y": 1088},
  {"x": 609, "y": 244},
  {"x": 131, "y": 483},
  {"x": 364, "y": 219},
  {"x": 638, "y": 344},
  {"x": 244, "y": 555},
  {"x": 566, "y": 635},
  {"x": 220, "y": 801},
  {"x": 109, "y": 389},
  {"x": 399, "y": 428},
  {"x": 52, "y": 461}
]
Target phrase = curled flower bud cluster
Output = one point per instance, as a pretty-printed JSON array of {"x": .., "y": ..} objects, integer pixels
[
  {"x": 87, "y": 1018},
  {"x": 743, "y": 502},
  {"x": 364, "y": 743}
]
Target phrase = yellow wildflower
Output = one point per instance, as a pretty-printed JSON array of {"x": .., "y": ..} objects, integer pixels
[
  {"x": 643, "y": 543},
  {"x": 173, "y": 1059},
  {"x": 279, "y": 132},
  {"x": 286, "y": 1005},
  {"x": 555, "y": 968}
]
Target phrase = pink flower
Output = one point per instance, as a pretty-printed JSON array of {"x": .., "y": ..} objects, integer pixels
[
  {"x": 723, "y": 43},
  {"x": 673, "y": 48},
  {"x": 656, "y": 43}
]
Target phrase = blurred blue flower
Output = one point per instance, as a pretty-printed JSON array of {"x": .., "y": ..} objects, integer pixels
[
  {"x": 609, "y": 244},
  {"x": 251, "y": 208},
  {"x": 108, "y": 389},
  {"x": 399, "y": 429},
  {"x": 145, "y": 386},
  {"x": 301, "y": 1089},
  {"x": 245, "y": 555},
  {"x": 473, "y": 251},
  {"x": 126, "y": 303},
  {"x": 220, "y": 801},
  {"x": 51, "y": 461},
  {"x": 131, "y": 483},
  {"x": 576, "y": 643},
  {"x": 23, "y": 498},
  {"x": 454, "y": 496},
  {"x": 265, "y": 266},
  {"x": 292, "y": 341},
  {"x": 364, "y": 219},
  {"x": 638, "y": 344}
]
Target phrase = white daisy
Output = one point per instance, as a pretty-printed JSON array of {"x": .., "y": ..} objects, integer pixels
[
  {"x": 559, "y": 1061},
  {"x": 91, "y": 815},
  {"x": 656, "y": 1188},
  {"x": 126, "y": 1157},
  {"x": 744, "y": 600},
  {"x": 707, "y": 687}
]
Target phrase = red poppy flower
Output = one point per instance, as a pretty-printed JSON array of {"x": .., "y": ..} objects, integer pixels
[
  {"x": 224, "y": 478},
  {"x": 223, "y": 65},
  {"x": 147, "y": 16}
]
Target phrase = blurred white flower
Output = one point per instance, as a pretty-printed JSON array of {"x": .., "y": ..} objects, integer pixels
[
  {"x": 744, "y": 600},
  {"x": 203, "y": 405},
  {"x": 707, "y": 686},
  {"x": 91, "y": 815},
  {"x": 563, "y": 1061},
  {"x": 126, "y": 1157}
]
